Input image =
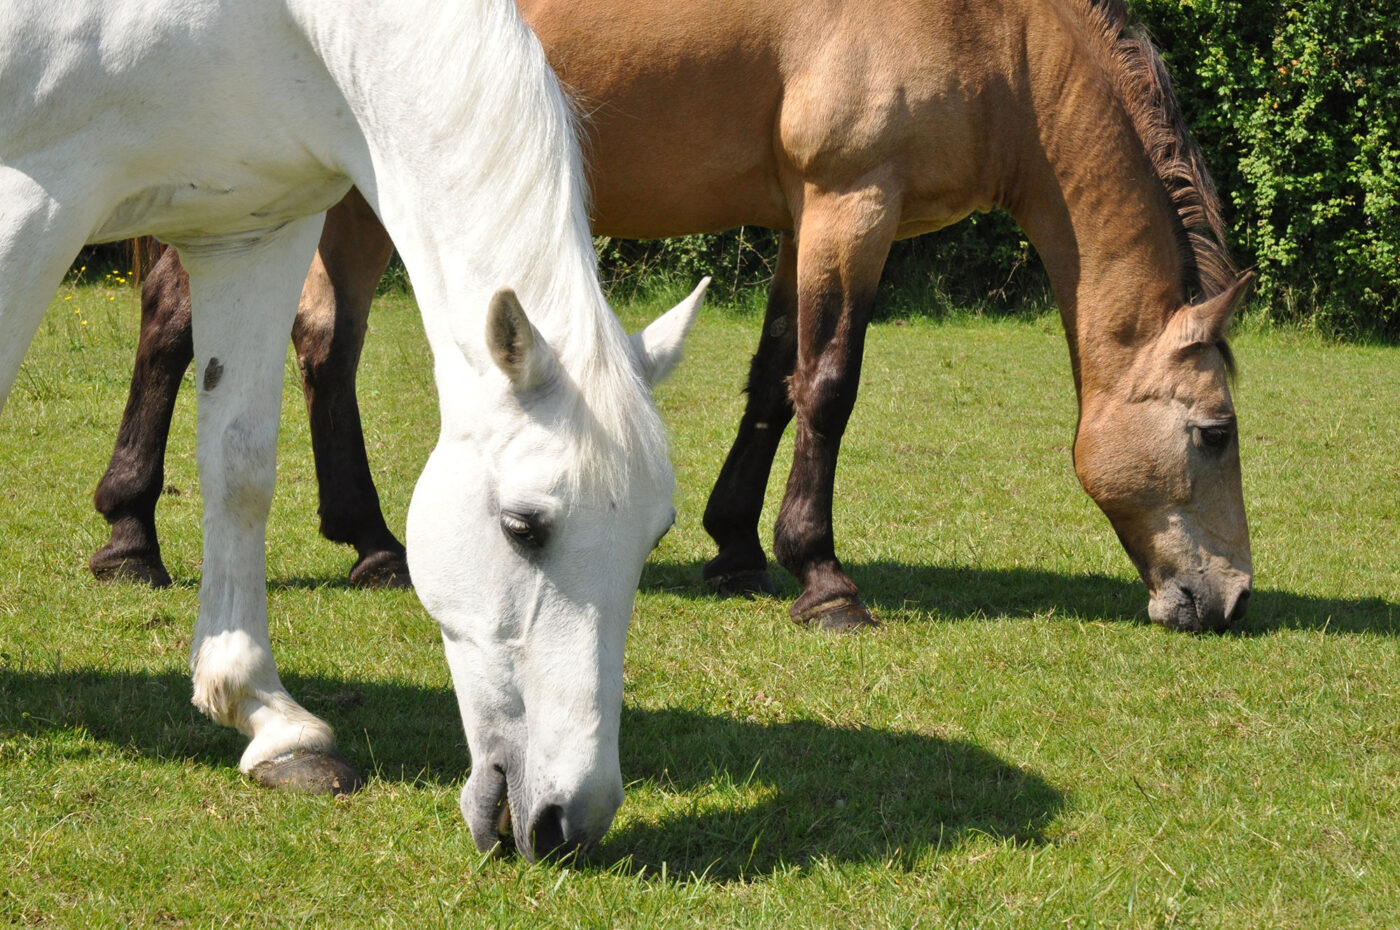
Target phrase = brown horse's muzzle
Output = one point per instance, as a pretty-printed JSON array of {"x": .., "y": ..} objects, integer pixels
[{"x": 1202, "y": 607}]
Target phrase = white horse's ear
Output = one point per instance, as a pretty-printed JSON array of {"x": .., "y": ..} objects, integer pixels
[
  {"x": 658, "y": 347},
  {"x": 516, "y": 346}
]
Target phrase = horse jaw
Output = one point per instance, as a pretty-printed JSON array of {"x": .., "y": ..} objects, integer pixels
[{"x": 658, "y": 347}]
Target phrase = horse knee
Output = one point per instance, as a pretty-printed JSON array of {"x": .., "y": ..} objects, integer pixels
[
  {"x": 767, "y": 384},
  {"x": 327, "y": 335},
  {"x": 247, "y": 465},
  {"x": 824, "y": 398},
  {"x": 166, "y": 327},
  {"x": 312, "y": 335}
]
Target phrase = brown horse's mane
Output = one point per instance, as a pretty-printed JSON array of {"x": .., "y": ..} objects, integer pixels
[{"x": 1144, "y": 88}]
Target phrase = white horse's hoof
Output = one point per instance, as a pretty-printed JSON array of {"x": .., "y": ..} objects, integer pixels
[{"x": 308, "y": 772}]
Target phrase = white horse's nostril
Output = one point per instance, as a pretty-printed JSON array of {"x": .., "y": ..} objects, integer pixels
[{"x": 547, "y": 833}]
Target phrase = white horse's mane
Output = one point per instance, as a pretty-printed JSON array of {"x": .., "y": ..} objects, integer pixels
[{"x": 545, "y": 255}]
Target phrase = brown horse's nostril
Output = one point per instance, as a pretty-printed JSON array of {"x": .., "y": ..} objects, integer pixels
[{"x": 1237, "y": 611}]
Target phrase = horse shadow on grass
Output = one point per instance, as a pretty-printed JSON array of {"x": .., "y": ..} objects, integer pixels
[
  {"x": 745, "y": 799},
  {"x": 946, "y": 593},
  {"x": 738, "y": 799}
]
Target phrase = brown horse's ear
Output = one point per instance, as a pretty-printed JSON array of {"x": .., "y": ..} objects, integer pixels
[
  {"x": 1208, "y": 322},
  {"x": 516, "y": 346}
]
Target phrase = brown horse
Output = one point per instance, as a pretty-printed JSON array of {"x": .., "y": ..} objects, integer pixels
[{"x": 847, "y": 125}]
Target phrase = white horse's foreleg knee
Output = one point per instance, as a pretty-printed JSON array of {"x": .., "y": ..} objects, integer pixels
[{"x": 244, "y": 302}]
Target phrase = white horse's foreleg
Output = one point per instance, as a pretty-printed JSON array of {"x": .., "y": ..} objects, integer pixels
[{"x": 244, "y": 300}]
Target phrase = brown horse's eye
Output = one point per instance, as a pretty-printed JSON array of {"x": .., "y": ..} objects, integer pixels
[{"x": 1214, "y": 438}]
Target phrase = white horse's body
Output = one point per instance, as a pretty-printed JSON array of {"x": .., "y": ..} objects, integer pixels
[{"x": 225, "y": 127}]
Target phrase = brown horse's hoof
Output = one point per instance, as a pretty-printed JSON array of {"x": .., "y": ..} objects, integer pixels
[
  {"x": 128, "y": 569},
  {"x": 754, "y": 582},
  {"x": 305, "y": 772},
  {"x": 382, "y": 569},
  {"x": 843, "y": 616}
]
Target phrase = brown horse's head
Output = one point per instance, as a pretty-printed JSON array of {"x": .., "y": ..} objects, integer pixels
[{"x": 1158, "y": 450}]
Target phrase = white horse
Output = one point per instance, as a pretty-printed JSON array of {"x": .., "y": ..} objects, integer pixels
[{"x": 226, "y": 127}]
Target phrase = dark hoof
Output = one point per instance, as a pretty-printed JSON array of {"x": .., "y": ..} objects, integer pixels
[
  {"x": 755, "y": 582},
  {"x": 382, "y": 569},
  {"x": 306, "y": 772},
  {"x": 128, "y": 569},
  {"x": 839, "y": 617}
]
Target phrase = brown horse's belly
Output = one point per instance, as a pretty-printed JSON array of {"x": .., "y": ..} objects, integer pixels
[
  {"x": 625, "y": 208},
  {"x": 911, "y": 225},
  {"x": 680, "y": 113}
]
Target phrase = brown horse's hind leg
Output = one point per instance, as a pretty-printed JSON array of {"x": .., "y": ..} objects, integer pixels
[
  {"x": 842, "y": 245},
  {"x": 328, "y": 335},
  {"x": 731, "y": 516},
  {"x": 128, "y": 492}
]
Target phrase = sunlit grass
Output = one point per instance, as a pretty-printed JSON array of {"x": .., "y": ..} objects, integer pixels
[{"x": 1016, "y": 746}]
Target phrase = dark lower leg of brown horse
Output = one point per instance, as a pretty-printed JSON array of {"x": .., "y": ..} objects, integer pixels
[
  {"x": 841, "y": 251},
  {"x": 731, "y": 516},
  {"x": 353, "y": 252},
  {"x": 328, "y": 336},
  {"x": 128, "y": 492}
]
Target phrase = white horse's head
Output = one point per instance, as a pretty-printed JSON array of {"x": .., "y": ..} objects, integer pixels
[{"x": 526, "y": 539}]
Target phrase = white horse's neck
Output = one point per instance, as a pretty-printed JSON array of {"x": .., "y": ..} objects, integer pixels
[
  {"x": 471, "y": 155},
  {"x": 474, "y": 207}
]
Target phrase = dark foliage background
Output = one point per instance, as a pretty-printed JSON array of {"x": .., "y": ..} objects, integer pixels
[{"x": 1297, "y": 106}]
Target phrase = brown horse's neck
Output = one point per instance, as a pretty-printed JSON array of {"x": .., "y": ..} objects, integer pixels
[{"x": 1089, "y": 199}]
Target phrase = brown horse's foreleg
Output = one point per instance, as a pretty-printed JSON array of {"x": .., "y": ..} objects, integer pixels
[
  {"x": 731, "y": 516},
  {"x": 128, "y": 492},
  {"x": 842, "y": 245},
  {"x": 328, "y": 335}
]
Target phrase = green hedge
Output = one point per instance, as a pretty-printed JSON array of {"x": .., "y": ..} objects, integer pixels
[
  {"x": 1297, "y": 107},
  {"x": 983, "y": 264}
]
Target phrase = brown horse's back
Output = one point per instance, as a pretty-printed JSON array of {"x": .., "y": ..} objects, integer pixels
[{"x": 720, "y": 113}]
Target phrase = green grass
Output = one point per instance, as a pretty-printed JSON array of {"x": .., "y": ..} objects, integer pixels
[{"x": 1016, "y": 746}]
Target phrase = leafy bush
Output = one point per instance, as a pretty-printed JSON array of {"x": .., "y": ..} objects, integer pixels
[
  {"x": 1297, "y": 106},
  {"x": 981, "y": 264},
  {"x": 738, "y": 259}
]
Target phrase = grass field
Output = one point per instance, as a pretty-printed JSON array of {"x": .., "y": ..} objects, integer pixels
[{"x": 1016, "y": 746}]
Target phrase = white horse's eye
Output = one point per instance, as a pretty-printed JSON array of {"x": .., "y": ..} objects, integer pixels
[{"x": 522, "y": 529}]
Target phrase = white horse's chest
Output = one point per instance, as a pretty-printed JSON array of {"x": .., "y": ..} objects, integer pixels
[{"x": 203, "y": 212}]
